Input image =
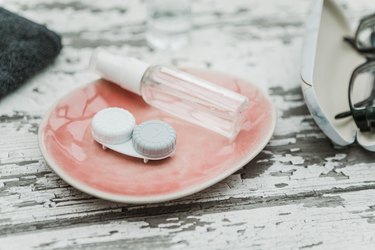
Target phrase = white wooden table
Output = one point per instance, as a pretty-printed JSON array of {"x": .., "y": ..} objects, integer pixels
[{"x": 299, "y": 193}]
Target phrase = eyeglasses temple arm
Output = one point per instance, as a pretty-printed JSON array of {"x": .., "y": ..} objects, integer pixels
[
  {"x": 343, "y": 115},
  {"x": 350, "y": 41}
]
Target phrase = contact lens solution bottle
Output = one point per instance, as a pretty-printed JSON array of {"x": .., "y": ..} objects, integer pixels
[{"x": 173, "y": 91}]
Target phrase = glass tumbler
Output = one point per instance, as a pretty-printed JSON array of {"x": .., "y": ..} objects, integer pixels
[{"x": 168, "y": 23}]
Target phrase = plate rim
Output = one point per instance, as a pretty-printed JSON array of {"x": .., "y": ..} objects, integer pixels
[{"x": 149, "y": 199}]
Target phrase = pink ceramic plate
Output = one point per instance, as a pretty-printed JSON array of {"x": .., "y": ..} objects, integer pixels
[{"x": 202, "y": 157}]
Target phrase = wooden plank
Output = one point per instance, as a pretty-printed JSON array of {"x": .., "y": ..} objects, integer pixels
[{"x": 338, "y": 221}]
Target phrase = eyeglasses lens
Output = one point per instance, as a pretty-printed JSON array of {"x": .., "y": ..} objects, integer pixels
[
  {"x": 363, "y": 90},
  {"x": 365, "y": 37}
]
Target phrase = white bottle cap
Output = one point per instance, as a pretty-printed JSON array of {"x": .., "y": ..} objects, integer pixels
[{"x": 126, "y": 72}]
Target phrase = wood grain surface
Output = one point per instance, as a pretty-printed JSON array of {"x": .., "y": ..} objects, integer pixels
[{"x": 301, "y": 192}]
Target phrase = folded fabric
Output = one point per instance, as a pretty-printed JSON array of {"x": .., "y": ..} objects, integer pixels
[{"x": 25, "y": 49}]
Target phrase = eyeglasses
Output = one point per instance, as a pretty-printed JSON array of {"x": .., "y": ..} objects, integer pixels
[{"x": 361, "y": 93}]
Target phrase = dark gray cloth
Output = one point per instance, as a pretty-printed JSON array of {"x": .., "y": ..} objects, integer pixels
[{"x": 25, "y": 49}]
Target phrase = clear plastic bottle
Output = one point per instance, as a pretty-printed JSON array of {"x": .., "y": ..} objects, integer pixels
[{"x": 178, "y": 93}]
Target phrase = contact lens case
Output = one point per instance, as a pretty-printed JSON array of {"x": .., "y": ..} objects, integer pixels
[{"x": 116, "y": 129}]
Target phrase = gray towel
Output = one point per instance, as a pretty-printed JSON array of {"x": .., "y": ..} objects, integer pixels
[{"x": 25, "y": 49}]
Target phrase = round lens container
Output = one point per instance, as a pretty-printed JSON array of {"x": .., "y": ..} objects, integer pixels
[
  {"x": 154, "y": 139},
  {"x": 112, "y": 126}
]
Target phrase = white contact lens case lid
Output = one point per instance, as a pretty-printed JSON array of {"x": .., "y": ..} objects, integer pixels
[
  {"x": 113, "y": 126},
  {"x": 116, "y": 129}
]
